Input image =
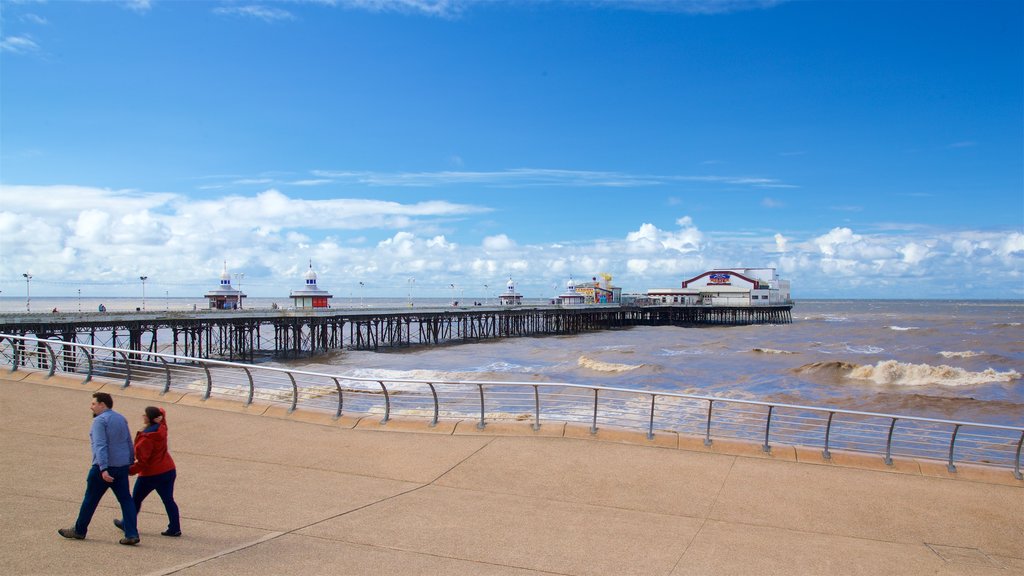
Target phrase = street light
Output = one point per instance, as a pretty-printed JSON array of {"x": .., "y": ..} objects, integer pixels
[
  {"x": 143, "y": 278},
  {"x": 360, "y": 294},
  {"x": 239, "y": 276},
  {"x": 79, "y": 300},
  {"x": 28, "y": 292},
  {"x": 412, "y": 281}
]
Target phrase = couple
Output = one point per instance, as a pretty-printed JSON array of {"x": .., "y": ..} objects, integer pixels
[{"x": 115, "y": 457}]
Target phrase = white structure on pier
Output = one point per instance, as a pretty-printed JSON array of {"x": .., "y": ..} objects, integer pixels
[
  {"x": 225, "y": 297},
  {"x": 310, "y": 296},
  {"x": 727, "y": 287},
  {"x": 510, "y": 297},
  {"x": 571, "y": 297}
]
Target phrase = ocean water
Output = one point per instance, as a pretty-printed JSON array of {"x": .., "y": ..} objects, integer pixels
[
  {"x": 940, "y": 359},
  {"x": 959, "y": 360}
]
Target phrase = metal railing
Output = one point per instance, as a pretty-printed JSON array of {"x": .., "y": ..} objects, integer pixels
[{"x": 649, "y": 411}]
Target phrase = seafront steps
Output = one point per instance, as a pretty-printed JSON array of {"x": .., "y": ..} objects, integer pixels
[
  {"x": 650, "y": 417},
  {"x": 263, "y": 489}
]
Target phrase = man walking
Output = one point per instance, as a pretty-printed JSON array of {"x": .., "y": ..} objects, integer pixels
[{"x": 112, "y": 453}]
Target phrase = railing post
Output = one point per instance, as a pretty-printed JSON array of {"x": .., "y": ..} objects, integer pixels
[
  {"x": 252, "y": 387},
  {"x": 53, "y": 359},
  {"x": 828, "y": 429},
  {"x": 707, "y": 430},
  {"x": 127, "y": 370},
  {"x": 1016, "y": 466},
  {"x": 88, "y": 356},
  {"x": 536, "y": 400},
  {"x": 14, "y": 355},
  {"x": 167, "y": 371},
  {"x": 888, "y": 444},
  {"x": 295, "y": 392},
  {"x": 209, "y": 381},
  {"x": 650, "y": 427},
  {"x": 337, "y": 384},
  {"x": 481, "y": 424},
  {"x": 952, "y": 441},
  {"x": 387, "y": 402},
  {"x": 433, "y": 392},
  {"x": 593, "y": 427},
  {"x": 767, "y": 429}
]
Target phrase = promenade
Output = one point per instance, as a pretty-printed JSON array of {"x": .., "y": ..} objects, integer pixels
[{"x": 265, "y": 492}]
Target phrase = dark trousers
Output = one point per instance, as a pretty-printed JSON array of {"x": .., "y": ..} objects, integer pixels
[
  {"x": 164, "y": 486},
  {"x": 96, "y": 487}
]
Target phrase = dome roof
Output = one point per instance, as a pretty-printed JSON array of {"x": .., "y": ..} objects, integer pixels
[
  {"x": 310, "y": 275},
  {"x": 571, "y": 284},
  {"x": 225, "y": 275}
]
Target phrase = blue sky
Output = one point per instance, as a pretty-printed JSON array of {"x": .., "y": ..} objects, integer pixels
[{"x": 865, "y": 149}]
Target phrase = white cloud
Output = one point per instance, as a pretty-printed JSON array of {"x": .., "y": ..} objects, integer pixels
[
  {"x": 498, "y": 243},
  {"x": 780, "y": 243},
  {"x": 18, "y": 44},
  {"x": 650, "y": 239},
  {"x": 265, "y": 13}
]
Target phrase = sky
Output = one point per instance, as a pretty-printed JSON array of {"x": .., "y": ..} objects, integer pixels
[{"x": 863, "y": 149}]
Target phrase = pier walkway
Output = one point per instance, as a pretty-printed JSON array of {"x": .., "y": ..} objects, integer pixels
[{"x": 265, "y": 492}]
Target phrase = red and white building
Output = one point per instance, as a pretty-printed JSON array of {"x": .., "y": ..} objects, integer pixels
[{"x": 727, "y": 287}]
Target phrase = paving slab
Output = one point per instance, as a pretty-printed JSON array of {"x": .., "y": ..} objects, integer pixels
[
  {"x": 730, "y": 548},
  {"x": 874, "y": 505},
  {"x": 531, "y": 533},
  {"x": 298, "y": 555},
  {"x": 647, "y": 479}
]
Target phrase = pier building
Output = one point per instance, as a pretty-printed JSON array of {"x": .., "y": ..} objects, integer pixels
[
  {"x": 310, "y": 296},
  {"x": 571, "y": 297},
  {"x": 727, "y": 287},
  {"x": 510, "y": 297},
  {"x": 224, "y": 296},
  {"x": 599, "y": 292}
]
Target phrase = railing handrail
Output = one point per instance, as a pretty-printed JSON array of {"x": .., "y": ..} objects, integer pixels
[{"x": 478, "y": 383}]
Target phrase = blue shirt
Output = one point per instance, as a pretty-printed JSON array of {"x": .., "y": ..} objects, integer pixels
[{"x": 111, "y": 440}]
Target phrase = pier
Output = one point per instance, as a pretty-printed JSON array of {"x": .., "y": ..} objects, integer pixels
[{"x": 248, "y": 334}]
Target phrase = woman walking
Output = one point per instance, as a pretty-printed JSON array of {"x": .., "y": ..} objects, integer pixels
[{"x": 155, "y": 468}]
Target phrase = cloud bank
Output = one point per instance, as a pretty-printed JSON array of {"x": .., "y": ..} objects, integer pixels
[{"x": 74, "y": 236}]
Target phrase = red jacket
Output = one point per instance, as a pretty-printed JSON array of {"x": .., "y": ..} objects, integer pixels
[{"x": 151, "y": 456}]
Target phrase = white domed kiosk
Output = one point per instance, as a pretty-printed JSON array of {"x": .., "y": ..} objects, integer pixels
[
  {"x": 510, "y": 297},
  {"x": 224, "y": 296},
  {"x": 310, "y": 296}
]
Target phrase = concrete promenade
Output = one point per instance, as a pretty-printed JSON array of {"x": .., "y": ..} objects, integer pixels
[{"x": 265, "y": 492}]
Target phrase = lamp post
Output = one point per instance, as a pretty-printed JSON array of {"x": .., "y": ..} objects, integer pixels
[
  {"x": 79, "y": 300},
  {"x": 239, "y": 276},
  {"x": 411, "y": 282},
  {"x": 143, "y": 278},
  {"x": 28, "y": 291},
  {"x": 167, "y": 301},
  {"x": 360, "y": 294}
]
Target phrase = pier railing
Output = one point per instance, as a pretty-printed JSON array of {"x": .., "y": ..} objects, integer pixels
[{"x": 650, "y": 411}]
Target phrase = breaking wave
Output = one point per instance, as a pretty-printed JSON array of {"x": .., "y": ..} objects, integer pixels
[
  {"x": 771, "y": 351},
  {"x": 906, "y": 374},
  {"x": 600, "y": 366},
  {"x": 964, "y": 354},
  {"x": 902, "y": 328}
]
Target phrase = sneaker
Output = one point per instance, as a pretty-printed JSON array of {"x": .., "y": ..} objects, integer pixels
[
  {"x": 70, "y": 533},
  {"x": 171, "y": 534},
  {"x": 129, "y": 541},
  {"x": 119, "y": 524}
]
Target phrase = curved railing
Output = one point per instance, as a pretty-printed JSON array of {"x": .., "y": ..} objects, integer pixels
[{"x": 650, "y": 411}]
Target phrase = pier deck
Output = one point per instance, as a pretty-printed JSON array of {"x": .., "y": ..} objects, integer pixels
[
  {"x": 265, "y": 492},
  {"x": 245, "y": 334}
]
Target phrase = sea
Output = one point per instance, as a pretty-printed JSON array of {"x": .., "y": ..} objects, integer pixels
[{"x": 957, "y": 360}]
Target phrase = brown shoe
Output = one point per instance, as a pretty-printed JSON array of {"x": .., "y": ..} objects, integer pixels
[
  {"x": 70, "y": 533},
  {"x": 129, "y": 541}
]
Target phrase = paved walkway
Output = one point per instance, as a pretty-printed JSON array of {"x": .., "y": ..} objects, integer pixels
[{"x": 301, "y": 494}]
